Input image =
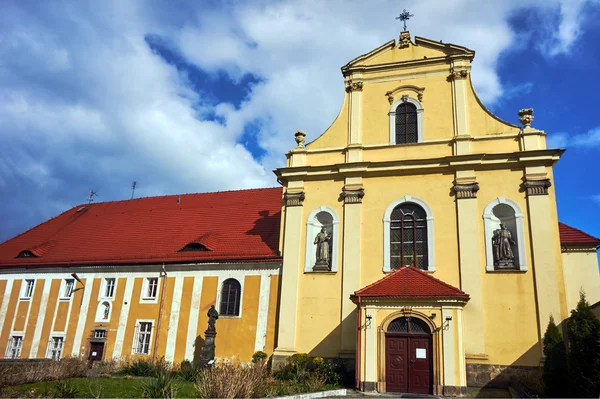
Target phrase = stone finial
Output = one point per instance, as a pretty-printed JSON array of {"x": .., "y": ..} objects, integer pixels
[
  {"x": 526, "y": 117},
  {"x": 300, "y": 138}
]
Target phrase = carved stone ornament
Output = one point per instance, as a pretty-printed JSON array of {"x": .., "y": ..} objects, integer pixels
[
  {"x": 300, "y": 137},
  {"x": 353, "y": 86},
  {"x": 537, "y": 187},
  {"x": 457, "y": 75},
  {"x": 502, "y": 243},
  {"x": 293, "y": 199},
  {"x": 526, "y": 117},
  {"x": 353, "y": 196},
  {"x": 404, "y": 39},
  {"x": 465, "y": 190}
]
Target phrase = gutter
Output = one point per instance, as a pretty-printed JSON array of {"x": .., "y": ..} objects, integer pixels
[{"x": 358, "y": 342}]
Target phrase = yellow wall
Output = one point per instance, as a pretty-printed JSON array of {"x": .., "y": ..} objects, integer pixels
[{"x": 581, "y": 272}]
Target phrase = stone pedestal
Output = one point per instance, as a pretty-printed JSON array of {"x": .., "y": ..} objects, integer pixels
[
  {"x": 208, "y": 348},
  {"x": 321, "y": 266}
]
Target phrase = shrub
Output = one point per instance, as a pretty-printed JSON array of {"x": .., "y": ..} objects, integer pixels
[
  {"x": 146, "y": 368},
  {"x": 162, "y": 386},
  {"x": 233, "y": 380},
  {"x": 188, "y": 372},
  {"x": 555, "y": 375},
  {"x": 259, "y": 357},
  {"x": 65, "y": 389},
  {"x": 28, "y": 372},
  {"x": 584, "y": 351}
]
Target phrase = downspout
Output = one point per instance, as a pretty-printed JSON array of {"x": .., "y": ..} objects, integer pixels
[
  {"x": 358, "y": 341},
  {"x": 160, "y": 311}
]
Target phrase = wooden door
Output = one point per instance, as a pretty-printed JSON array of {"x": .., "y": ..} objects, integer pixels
[
  {"x": 396, "y": 364},
  {"x": 96, "y": 351},
  {"x": 408, "y": 364}
]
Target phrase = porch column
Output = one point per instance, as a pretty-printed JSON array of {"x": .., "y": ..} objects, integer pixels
[
  {"x": 469, "y": 220},
  {"x": 369, "y": 351},
  {"x": 288, "y": 306}
]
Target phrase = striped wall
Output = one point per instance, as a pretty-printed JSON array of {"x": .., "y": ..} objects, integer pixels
[{"x": 178, "y": 315}]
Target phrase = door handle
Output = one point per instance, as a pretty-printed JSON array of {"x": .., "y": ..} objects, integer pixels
[{"x": 412, "y": 361}]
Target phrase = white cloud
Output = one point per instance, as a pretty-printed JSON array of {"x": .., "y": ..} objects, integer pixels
[{"x": 590, "y": 139}]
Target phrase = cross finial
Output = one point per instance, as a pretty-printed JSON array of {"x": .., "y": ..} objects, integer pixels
[{"x": 404, "y": 16}]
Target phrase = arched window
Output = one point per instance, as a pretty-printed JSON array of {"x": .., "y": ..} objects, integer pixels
[
  {"x": 504, "y": 236},
  {"x": 408, "y": 236},
  {"x": 406, "y": 123},
  {"x": 230, "y": 298},
  {"x": 409, "y": 325}
]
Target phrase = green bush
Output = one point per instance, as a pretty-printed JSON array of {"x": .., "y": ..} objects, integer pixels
[
  {"x": 259, "y": 357},
  {"x": 302, "y": 369},
  {"x": 162, "y": 386},
  {"x": 188, "y": 372},
  {"x": 140, "y": 368},
  {"x": 65, "y": 389},
  {"x": 584, "y": 351},
  {"x": 555, "y": 366}
]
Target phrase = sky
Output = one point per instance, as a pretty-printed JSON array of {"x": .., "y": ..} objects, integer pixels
[{"x": 201, "y": 95}]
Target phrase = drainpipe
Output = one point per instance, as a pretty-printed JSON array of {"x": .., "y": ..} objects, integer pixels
[
  {"x": 358, "y": 341},
  {"x": 160, "y": 311}
]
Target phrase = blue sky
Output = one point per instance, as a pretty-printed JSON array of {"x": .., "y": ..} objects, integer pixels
[{"x": 192, "y": 96}]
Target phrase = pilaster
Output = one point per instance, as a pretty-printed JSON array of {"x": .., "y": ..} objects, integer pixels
[
  {"x": 459, "y": 73},
  {"x": 354, "y": 87},
  {"x": 352, "y": 193},
  {"x": 545, "y": 247},
  {"x": 288, "y": 308},
  {"x": 465, "y": 189}
]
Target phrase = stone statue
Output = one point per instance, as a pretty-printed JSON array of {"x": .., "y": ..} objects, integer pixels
[
  {"x": 322, "y": 241},
  {"x": 502, "y": 243},
  {"x": 213, "y": 315}
]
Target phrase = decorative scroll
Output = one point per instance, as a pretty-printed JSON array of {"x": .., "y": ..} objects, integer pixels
[
  {"x": 537, "y": 187},
  {"x": 293, "y": 199},
  {"x": 353, "y": 86},
  {"x": 465, "y": 190},
  {"x": 353, "y": 196},
  {"x": 457, "y": 75}
]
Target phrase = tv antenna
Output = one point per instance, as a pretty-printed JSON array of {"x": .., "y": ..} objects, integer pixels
[
  {"x": 133, "y": 188},
  {"x": 92, "y": 195}
]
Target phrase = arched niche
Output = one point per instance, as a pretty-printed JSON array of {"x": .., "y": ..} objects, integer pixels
[
  {"x": 507, "y": 212},
  {"x": 318, "y": 218}
]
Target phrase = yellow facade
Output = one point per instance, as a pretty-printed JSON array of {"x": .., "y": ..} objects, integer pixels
[
  {"x": 189, "y": 291},
  {"x": 465, "y": 165}
]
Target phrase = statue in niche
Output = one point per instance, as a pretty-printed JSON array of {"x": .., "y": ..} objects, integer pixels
[
  {"x": 106, "y": 311},
  {"x": 322, "y": 241},
  {"x": 502, "y": 243}
]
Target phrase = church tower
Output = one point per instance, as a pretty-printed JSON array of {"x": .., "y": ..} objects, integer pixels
[{"x": 419, "y": 231}]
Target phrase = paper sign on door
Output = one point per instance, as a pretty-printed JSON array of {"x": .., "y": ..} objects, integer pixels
[
  {"x": 421, "y": 353},
  {"x": 94, "y": 353}
]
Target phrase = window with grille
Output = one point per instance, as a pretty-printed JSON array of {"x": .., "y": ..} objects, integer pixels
[
  {"x": 109, "y": 287},
  {"x": 152, "y": 287},
  {"x": 99, "y": 333},
  {"x": 406, "y": 124},
  {"x": 69, "y": 288},
  {"x": 28, "y": 289},
  {"x": 142, "y": 343},
  {"x": 230, "y": 298},
  {"x": 55, "y": 348},
  {"x": 408, "y": 236},
  {"x": 13, "y": 349},
  {"x": 408, "y": 325}
]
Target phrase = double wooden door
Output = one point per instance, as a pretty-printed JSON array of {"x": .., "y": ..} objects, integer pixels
[{"x": 408, "y": 364}]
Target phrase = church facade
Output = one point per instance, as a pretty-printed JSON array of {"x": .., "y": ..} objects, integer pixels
[{"x": 417, "y": 237}]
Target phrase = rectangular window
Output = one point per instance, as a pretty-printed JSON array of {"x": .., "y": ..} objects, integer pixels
[
  {"x": 69, "y": 287},
  {"x": 143, "y": 339},
  {"x": 13, "y": 350},
  {"x": 28, "y": 289},
  {"x": 99, "y": 333},
  {"x": 55, "y": 348},
  {"x": 152, "y": 288},
  {"x": 109, "y": 287}
]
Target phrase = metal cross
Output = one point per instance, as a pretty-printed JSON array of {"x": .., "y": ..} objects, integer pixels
[{"x": 404, "y": 16}]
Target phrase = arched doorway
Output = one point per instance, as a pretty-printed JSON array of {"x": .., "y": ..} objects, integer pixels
[{"x": 408, "y": 356}]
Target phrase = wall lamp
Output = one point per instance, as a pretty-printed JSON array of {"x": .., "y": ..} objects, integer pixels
[{"x": 76, "y": 277}]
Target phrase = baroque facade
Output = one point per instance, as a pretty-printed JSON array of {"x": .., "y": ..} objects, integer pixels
[{"x": 417, "y": 237}]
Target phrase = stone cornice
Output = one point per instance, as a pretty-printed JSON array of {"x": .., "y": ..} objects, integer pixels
[{"x": 427, "y": 165}]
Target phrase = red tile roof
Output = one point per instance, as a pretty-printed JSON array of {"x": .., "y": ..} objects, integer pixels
[
  {"x": 232, "y": 226},
  {"x": 572, "y": 236},
  {"x": 411, "y": 283}
]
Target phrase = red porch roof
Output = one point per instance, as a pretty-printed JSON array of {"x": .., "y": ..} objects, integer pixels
[
  {"x": 230, "y": 226},
  {"x": 411, "y": 283},
  {"x": 572, "y": 236}
]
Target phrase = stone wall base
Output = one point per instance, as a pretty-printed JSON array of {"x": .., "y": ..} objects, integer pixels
[
  {"x": 448, "y": 390},
  {"x": 495, "y": 375}
]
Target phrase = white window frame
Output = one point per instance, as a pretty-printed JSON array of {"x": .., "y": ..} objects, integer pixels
[
  {"x": 488, "y": 217},
  {"x": 11, "y": 347},
  {"x": 100, "y": 312},
  {"x": 103, "y": 335},
  {"x": 392, "y": 115},
  {"x": 387, "y": 217},
  {"x": 102, "y": 294},
  {"x": 138, "y": 325},
  {"x": 143, "y": 295},
  {"x": 25, "y": 295},
  {"x": 63, "y": 289},
  {"x": 240, "y": 279},
  {"x": 312, "y": 228},
  {"x": 52, "y": 349}
]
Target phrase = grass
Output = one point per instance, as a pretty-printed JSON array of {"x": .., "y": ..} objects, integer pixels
[{"x": 94, "y": 387}]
